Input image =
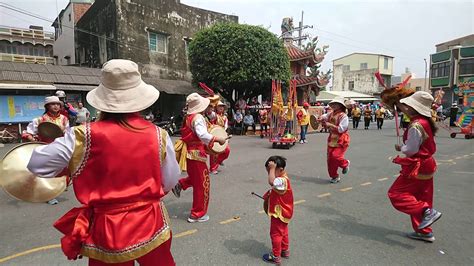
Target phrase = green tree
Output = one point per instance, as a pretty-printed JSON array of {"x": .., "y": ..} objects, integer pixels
[{"x": 232, "y": 57}]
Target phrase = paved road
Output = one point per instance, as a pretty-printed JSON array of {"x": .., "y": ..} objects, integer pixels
[{"x": 350, "y": 223}]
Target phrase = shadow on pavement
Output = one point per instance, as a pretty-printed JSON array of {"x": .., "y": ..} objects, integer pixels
[
  {"x": 249, "y": 247},
  {"x": 309, "y": 179},
  {"x": 348, "y": 225}
]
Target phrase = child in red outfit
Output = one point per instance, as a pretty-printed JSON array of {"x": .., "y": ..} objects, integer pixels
[
  {"x": 412, "y": 192},
  {"x": 280, "y": 208}
]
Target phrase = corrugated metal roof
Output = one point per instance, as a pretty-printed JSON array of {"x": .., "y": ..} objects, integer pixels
[{"x": 31, "y": 73}]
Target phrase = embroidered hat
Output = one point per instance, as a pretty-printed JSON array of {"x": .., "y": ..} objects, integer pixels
[
  {"x": 420, "y": 101},
  {"x": 122, "y": 89},
  {"x": 196, "y": 103},
  {"x": 52, "y": 99}
]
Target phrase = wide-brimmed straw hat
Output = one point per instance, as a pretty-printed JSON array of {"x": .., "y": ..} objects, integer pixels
[
  {"x": 122, "y": 89},
  {"x": 196, "y": 103},
  {"x": 420, "y": 101},
  {"x": 339, "y": 100},
  {"x": 52, "y": 99}
]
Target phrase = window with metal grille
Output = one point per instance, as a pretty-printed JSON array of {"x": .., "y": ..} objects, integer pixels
[{"x": 158, "y": 42}]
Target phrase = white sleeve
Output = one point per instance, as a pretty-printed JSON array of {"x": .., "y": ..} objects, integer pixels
[
  {"x": 413, "y": 143},
  {"x": 170, "y": 171},
  {"x": 279, "y": 183},
  {"x": 325, "y": 117},
  {"x": 226, "y": 124},
  {"x": 32, "y": 127},
  {"x": 51, "y": 159},
  {"x": 200, "y": 128},
  {"x": 343, "y": 125}
]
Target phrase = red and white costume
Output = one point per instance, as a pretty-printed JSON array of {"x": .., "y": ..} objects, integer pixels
[
  {"x": 215, "y": 160},
  {"x": 194, "y": 133},
  {"x": 280, "y": 210},
  {"x": 119, "y": 177},
  {"x": 338, "y": 142},
  {"x": 32, "y": 128},
  {"x": 412, "y": 192}
]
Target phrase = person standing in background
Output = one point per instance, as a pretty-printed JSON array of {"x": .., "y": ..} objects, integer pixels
[{"x": 82, "y": 114}]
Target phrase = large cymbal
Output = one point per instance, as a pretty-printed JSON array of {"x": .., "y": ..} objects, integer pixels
[
  {"x": 20, "y": 183},
  {"x": 313, "y": 121},
  {"x": 48, "y": 130}
]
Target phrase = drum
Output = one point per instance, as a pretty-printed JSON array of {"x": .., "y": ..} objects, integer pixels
[
  {"x": 218, "y": 131},
  {"x": 49, "y": 131},
  {"x": 18, "y": 182},
  {"x": 313, "y": 121},
  {"x": 266, "y": 196}
]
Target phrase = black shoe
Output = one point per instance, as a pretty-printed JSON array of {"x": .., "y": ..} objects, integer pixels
[
  {"x": 177, "y": 190},
  {"x": 271, "y": 259},
  {"x": 423, "y": 237},
  {"x": 429, "y": 217}
]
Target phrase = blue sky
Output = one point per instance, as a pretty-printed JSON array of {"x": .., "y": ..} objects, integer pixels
[{"x": 407, "y": 30}]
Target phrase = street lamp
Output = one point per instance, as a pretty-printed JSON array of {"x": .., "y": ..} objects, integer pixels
[{"x": 426, "y": 72}]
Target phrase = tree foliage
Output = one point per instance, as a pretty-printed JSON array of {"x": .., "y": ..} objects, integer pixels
[{"x": 238, "y": 57}]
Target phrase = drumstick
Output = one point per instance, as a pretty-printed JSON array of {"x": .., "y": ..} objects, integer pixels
[{"x": 255, "y": 194}]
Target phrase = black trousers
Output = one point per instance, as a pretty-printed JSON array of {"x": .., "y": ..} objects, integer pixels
[
  {"x": 355, "y": 122},
  {"x": 367, "y": 122},
  {"x": 379, "y": 123}
]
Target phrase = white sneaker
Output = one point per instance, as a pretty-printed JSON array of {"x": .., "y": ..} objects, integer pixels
[
  {"x": 335, "y": 180},
  {"x": 53, "y": 202},
  {"x": 305, "y": 141},
  {"x": 203, "y": 219},
  {"x": 301, "y": 141}
]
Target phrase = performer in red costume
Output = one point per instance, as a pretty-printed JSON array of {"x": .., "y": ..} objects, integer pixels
[
  {"x": 412, "y": 192},
  {"x": 338, "y": 141},
  {"x": 195, "y": 135},
  {"x": 222, "y": 121},
  {"x": 52, "y": 106},
  {"x": 121, "y": 166},
  {"x": 52, "y": 114},
  {"x": 280, "y": 208}
]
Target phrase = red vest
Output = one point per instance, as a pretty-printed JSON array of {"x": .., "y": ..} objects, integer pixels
[
  {"x": 336, "y": 139},
  {"x": 280, "y": 203},
  {"x": 117, "y": 176},
  {"x": 421, "y": 165},
  {"x": 196, "y": 149}
]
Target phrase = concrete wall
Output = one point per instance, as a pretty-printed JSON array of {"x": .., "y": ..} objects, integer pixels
[
  {"x": 129, "y": 24},
  {"x": 64, "y": 43},
  {"x": 355, "y": 60},
  {"x": 463, "y": 41},
  {"x": 385, "y": 71},
  {"x": 138, "y": 18}
]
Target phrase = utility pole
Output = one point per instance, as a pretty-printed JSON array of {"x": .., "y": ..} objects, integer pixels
[
  {"x": 300, "y": 29},
  {"x": 426, "y": 72}
]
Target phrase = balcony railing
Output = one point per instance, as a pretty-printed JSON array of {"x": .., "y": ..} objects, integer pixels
[
  {"x": 27, "y": 33},
  {"x": 26, "y": 59}
]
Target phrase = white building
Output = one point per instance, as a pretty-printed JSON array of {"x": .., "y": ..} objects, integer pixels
[
  {"x": 64, "y": 35},
  {"x": 355, "y": 72}
]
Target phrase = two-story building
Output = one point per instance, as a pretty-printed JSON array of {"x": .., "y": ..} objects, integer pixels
[
  {"x": 452, "y": 64},
  {"x": 153, "y": 33},
  {"x": 355, "y": 72},
  {"x": 31, "y": 45},
  {"x": 65, "y": 38}
]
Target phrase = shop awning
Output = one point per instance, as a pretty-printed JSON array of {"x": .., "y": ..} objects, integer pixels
[
  {"x": 69, "y": 87},
  {"x": 325, "y": 96},
  {"x": 24, "y": 86},
  {"x": 170, "y": 86}
]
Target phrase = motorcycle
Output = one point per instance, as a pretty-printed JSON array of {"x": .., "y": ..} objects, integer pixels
[
  {"x": 169, "y": 126},
  {"x": 388, "y": 115}
]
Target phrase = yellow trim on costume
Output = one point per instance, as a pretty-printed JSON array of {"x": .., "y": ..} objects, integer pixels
[
  {"x": 278, "y": 214},
  {"x": 196, "y": 155},
  {"x": 134, "y": 253},
  {"x": 163, "y": 144},
  {"x": 181, "y": 151},
  {"x": 79, "y": 149},
  {"x": 424, "y": 177},
  {"x": 334, "y": 139},
  {"x": 420, "y": 128}
]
